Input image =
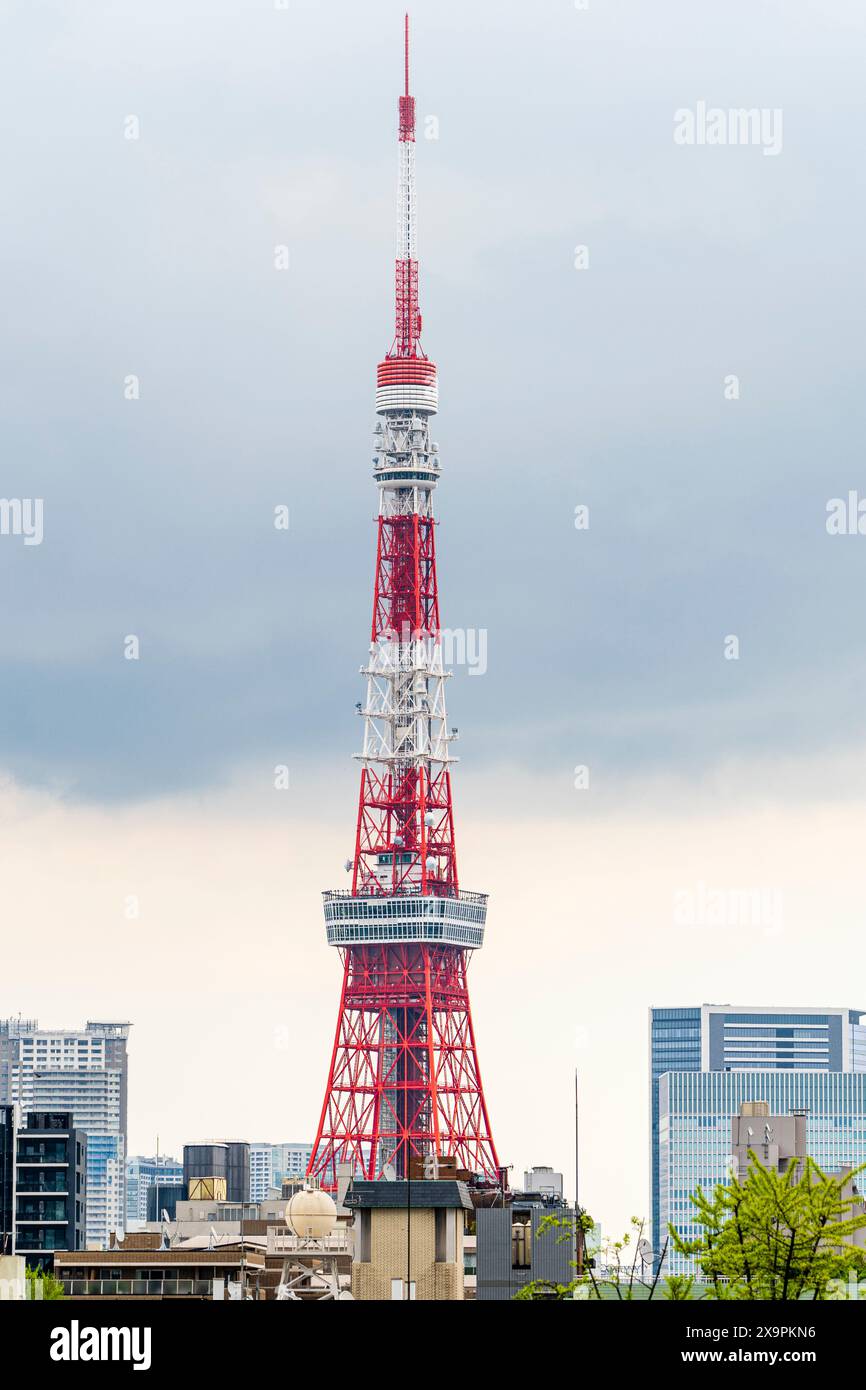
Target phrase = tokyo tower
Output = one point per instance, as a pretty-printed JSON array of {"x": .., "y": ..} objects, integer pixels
[{"x": 404, "y": 1081}]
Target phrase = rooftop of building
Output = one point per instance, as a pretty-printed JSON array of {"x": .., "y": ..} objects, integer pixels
[
  {"x": 552, "y": 1200},
  {"x": 854, "y": 1015},
  {"x": 420, "y": 1194},
  {"x": 20, "y": 1027}
]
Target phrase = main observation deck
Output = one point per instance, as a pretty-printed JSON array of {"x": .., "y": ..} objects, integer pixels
[{"x": 451, "y": 921}]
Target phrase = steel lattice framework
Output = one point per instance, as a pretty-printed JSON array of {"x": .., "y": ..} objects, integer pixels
[{"x": 404, "y": 1078}]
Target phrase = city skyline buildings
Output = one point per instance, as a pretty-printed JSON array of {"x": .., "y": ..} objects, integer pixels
[
  {"x": 271, "y": 1164},
  {"x": 705, "y": 1059},
  {"x": 142, "y": 1172},
  {"x": 745, "y": 774},
  {"x": 83, "y": 1072},
  {"x": 695, "y": 1147}
]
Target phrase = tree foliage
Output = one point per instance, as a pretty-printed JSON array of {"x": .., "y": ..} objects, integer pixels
[
  {"x": 41, "y": 1285},
  {"x": 775, "y": 1236},
  {"x": 618, "y": 1272}
]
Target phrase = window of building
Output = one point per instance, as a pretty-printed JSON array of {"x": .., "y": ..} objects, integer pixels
[
  {"x": 364, "y": 1236},
  {"x": 521, "y": 1245},
  {"x": 441, "y": 1216},
  {"x": 446, "y": 1236}
]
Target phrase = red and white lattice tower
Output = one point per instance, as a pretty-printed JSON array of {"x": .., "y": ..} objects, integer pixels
[{"x": 404, "y": 1078}]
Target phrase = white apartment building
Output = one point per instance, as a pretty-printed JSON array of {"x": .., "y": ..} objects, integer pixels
[{"x": 271, "y": 1163}]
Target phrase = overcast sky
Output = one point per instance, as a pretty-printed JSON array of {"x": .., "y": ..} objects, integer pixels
[{"x": 262, "y": 127}]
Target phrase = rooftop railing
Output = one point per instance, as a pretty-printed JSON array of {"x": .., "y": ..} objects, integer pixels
[
  {"x": 284, "y": 1243},
  {"x": 138, "y": 1288},
  {"x": 339, "y": 894}
]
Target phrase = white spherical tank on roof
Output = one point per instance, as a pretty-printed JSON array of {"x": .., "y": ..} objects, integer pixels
[{"x": 311, "y": 1214}]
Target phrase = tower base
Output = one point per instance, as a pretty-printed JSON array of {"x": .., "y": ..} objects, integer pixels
[{"x": 404, "y": 1080}]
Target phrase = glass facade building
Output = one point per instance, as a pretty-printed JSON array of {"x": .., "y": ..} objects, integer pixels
[
  {"x": 675, "y": 1045},
  {"x": 734, "y": 1040},
  {"x": 695, "y": 1112}
]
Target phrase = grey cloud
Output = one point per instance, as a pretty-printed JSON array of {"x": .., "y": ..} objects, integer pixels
[{"x": 558, "y": 387}]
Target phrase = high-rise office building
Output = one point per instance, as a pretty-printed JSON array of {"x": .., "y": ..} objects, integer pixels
[
  {"x": 706, "y": 1061},
  {"x": 695, "y": 1146},
  {"x": 84, "y": 1072},
  {"x": 271, "y": 1164},
  {"x": 142, "y": 1174}
]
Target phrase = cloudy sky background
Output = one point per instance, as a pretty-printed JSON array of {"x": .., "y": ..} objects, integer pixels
[{"x": 262, "y": 127}]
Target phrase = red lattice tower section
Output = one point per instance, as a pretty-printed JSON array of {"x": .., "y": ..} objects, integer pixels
[{"x": 404, "y": 1080}]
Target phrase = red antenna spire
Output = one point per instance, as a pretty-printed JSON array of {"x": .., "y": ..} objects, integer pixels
[
  {"x": 407, "y": 316},
  {"x": 407, "y": 103}
]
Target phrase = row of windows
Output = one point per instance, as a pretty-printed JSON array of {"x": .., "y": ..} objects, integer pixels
[
  {"x": 812, "y": 1020},
  {"x": 382, "y": 908},
  {"x": 406, "y": 931},
  {"x": 663, "y": 1015},
  {"x": 723, "y": 1092}
]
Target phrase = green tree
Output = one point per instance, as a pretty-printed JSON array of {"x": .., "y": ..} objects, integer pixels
[
  {"x": 776, "y": 1236},
  {"x": 42, "y": 1285}
]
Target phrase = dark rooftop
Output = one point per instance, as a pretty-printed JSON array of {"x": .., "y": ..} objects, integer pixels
[{"x": 400, "y": 1195}]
